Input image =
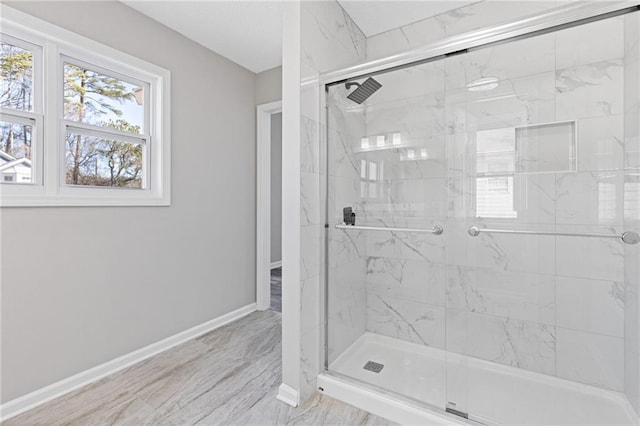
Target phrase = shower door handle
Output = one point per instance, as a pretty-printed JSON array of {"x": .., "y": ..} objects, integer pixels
[
  {"x": 436, "y": 230},
  {"x": 627, "y": 237}
]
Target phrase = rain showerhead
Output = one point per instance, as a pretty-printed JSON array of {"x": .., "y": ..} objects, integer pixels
[{"x": 363, "y": 91}]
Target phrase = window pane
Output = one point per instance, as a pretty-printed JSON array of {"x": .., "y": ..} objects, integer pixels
[
  {"x": 94, "y": 161},
  {"x": 98, "y": 99},
  {"x": 17, "y": 77},
  {"x": 15, "y": 153}
]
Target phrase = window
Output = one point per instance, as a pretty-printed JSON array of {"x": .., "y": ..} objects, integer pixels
[
  {"x": 21, "y": 113},
  {"x": 370, "y": 175},
  {"x": 90, "y": 128},
  {"x": 495, "y": 160},
  {"x": 104, "y": 121}
]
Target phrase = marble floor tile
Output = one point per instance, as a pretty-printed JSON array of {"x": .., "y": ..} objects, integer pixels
[
  {"x": 229, "y": 376},
  {"x": 276, "y": 290}
]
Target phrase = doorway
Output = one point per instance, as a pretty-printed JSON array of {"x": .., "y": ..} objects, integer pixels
[{"x": 269, "y": 207}]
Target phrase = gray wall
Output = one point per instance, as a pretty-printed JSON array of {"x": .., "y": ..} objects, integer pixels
[
  {"x": 269, "y": 86},
  {"x": 276, "y": 187},
  {"x": 81, "y": 286}
]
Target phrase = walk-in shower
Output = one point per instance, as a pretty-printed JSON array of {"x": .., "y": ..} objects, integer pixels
[{"x": 497, "y": 197}]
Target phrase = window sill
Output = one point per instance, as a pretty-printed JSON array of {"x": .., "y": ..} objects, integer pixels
[{"x": 84, "y": 201}]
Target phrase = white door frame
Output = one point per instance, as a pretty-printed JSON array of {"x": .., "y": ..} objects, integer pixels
[{"x": 263, "y": 202}]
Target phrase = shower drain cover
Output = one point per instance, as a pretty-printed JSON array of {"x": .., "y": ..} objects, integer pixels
[{"x": 376, "y": 367}]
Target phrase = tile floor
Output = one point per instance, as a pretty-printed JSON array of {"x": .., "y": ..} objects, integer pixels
[
  {"x": 229, "y": 376},
  {"x": 276, "y": 289}
]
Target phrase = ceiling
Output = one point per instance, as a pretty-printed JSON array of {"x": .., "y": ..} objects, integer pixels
[
  {"x": 250, "y": 32},
  {"x": 247, "y": 32}
]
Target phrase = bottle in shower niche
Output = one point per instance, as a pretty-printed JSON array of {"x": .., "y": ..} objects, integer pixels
[{"x": 348, "y": 216}]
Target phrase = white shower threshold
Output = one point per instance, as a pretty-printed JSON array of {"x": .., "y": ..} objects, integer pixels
[{"x": 496, "y": 394}]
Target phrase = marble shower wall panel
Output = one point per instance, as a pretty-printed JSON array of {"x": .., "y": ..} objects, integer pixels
[
  {"x": 601, "y": 259},
  {"x": 590, "y": 305},
  {"x": 411, "y": 102},
  {"x": 410, "y": 280},
  {"x": 310, "y": 148},
  {"x": 535, "y": 254},
  {"x": 590, "y": 90},
  {"x": 590, "y": 198},
  {"x": 601, "y": 143},
  {"x": 412, "y": 200},
  {"x": 406, "y": 320},
  {"x": 535, "y": 56},
  {"x": 522, "y": 344},
  {"x": 457, "y": 21},
  {"x": 515, "y": 102},
  {"x": 330, "y": 40},
  {"x": 425, "y": 248},
  {"x": 584, "y": 44},
  {"x": 346, "y": 247},
  {"x": 311, "y": 251},
  {"x": 310, "y": 202},
  {"x": 518, "y": 295},
  {"x": 347, "y": 298},
  {"x": 591, "y": 358}
]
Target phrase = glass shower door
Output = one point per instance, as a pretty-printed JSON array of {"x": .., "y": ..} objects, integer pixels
[
  {"x": 535, "y": 149},
  {"x": 518, "y": 303},
  {"x": 387, "y": 324}
]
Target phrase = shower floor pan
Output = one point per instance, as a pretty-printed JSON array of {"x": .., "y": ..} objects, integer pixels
[{"x": 496, "y": 393}]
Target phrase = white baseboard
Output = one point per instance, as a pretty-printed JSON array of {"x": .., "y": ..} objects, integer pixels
[
  {"x": 277, "y": 264},
  {"x": 288, "y": 395},
  {"x": 55, "y": 390}
]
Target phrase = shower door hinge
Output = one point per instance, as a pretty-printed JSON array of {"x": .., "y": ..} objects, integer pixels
[{"x": 451, "y": 408}]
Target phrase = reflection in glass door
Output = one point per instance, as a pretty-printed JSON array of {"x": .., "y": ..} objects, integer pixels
[{"x": 386, "y": 287}]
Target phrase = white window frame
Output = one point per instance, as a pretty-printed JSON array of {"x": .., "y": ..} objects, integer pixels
[
  {"x": 57, "y": 46},
  {"x": 34, "y": 118}
]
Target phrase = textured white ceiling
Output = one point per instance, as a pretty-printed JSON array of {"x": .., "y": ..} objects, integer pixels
[
  {"x": 250, "y": 32},
  {"x": 375, "y": 17},
  {"x": 246, "y": 32}
]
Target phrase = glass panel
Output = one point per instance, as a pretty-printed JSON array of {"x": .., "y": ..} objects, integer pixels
[
  {"x": 491, "y": 324},
  {"x": 386, "y": 289},
  {"x": 101, "y": 100},
  {"x": 94, "y": 161},
  {"x": 16, "y": 88},
  {"x": 15, "y": 152},
  {"x": 541, "y": 148}
]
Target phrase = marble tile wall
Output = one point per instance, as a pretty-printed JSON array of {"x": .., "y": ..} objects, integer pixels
[
  {"x": 526, "y": 301},
  {"x": 329, "y": 40},
  {"x": 470, "y": 17}
]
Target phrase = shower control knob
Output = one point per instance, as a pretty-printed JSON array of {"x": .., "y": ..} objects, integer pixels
[{"x": 631, "y": 237}]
